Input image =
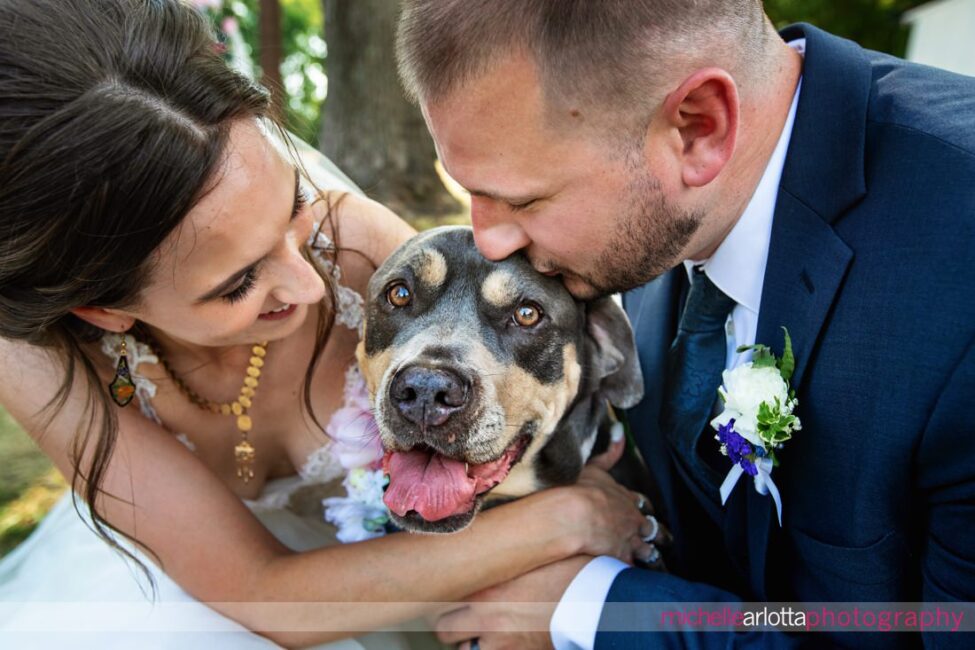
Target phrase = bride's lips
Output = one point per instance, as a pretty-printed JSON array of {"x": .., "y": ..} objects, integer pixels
[{"x": 279, "y": 314}]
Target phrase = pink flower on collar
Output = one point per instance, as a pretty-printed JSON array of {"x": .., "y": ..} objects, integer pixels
[{"x": 356, "y": 437}]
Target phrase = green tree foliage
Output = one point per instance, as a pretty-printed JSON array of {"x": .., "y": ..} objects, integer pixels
[
  {"x": 303, "y": 63},
  {"x": 875, "y": 24},
  {"x": 303, "y": 68}
]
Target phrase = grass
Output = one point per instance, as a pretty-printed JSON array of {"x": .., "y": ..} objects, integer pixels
[{"x": 29, "y": 484}]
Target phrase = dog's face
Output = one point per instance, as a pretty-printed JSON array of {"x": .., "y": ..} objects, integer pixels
[{"x": 488, "y": 379}]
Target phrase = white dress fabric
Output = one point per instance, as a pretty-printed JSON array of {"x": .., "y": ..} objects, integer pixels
[{"x": 64, "y": 587}]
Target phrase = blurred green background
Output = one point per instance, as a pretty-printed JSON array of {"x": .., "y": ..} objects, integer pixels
[
  {"x": 291, "y": 38},
  {"x": 28, "y": 484},
  {"x": 875, "y": 24}
]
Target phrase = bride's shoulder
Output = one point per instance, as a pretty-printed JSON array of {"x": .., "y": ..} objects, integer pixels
[
  {"x": 31, "y": 381},
  {"x": 24, "y": 363},
  {"x": 364, "y": 232},
  {"x": 32, "y": 375}
]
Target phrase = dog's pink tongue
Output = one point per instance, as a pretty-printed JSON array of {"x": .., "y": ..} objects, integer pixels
[{"x": 433, "y": 485}]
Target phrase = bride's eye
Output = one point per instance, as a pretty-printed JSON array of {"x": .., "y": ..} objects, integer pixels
[
  {"x": 244, "y": 288},
  {"x": 247, "y": 283},
  {"x": 301, "y": 200}
]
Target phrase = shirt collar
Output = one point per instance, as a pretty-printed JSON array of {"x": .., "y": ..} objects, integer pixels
[{"x": 737, "y": 267}]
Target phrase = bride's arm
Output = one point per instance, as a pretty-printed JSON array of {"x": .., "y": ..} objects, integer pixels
[
  {"x": 367, "y": 232},
  {"x": 211, "y": 544}
]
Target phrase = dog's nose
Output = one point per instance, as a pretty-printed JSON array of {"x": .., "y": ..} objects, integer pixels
[{"x": 428, "y": 396}]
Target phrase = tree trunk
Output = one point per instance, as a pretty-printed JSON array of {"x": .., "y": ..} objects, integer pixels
[
  {"x": 369, "y": 129},
  {"x": 270, "y": 54}
]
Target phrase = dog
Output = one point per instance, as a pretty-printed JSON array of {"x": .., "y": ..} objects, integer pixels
[{"x": 489, "y": 380}]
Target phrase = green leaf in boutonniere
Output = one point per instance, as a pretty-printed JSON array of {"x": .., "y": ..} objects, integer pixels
[
  {"x": 774, "y": 425},
  {"x": 788, "y": 363},
  {"x": 762, "y": 356}
]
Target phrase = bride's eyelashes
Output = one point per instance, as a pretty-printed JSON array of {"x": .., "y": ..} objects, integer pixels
[
  {"x": 250, "y": 278},
  {"x": 244, "y": 288},
  {"x": 301, "y": 200}
]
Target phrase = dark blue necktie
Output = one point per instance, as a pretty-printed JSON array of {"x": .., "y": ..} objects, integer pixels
[{"x": 694, "y": 366}]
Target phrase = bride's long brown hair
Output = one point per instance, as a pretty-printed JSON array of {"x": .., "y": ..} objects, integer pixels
[{"x": 114, "y": 115}]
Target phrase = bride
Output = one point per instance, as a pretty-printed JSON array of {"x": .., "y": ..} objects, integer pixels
[{"x": 179, "y": 308}]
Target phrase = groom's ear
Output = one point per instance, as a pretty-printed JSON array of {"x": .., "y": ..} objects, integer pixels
[{"x": 701, "y": 118}]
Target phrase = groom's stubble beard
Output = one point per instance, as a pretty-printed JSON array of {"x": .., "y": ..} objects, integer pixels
[{"x": 648, "y": 240}]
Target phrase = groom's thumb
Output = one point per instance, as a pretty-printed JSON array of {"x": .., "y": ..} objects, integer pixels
[{"x": 617, "y": 445}]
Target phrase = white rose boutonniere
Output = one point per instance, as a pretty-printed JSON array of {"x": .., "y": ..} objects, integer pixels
[{"x": 758, "y": 418}]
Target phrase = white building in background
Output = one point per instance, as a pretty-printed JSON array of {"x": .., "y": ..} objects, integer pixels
[{"x": 943, "y": 35}]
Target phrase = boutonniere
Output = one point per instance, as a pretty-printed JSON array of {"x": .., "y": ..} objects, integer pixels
[{"x": 758, "y": 418}]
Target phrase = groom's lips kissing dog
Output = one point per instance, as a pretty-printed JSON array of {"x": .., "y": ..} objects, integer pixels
[{"x": 489, "y": 381}]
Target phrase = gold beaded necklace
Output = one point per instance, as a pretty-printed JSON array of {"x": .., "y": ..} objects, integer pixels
[{"x": 244, "y": 452}]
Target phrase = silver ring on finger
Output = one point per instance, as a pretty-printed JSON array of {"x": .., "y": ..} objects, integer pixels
[
  {"x": 641, "y": 502},
  {"x": 654, "y": 529}
]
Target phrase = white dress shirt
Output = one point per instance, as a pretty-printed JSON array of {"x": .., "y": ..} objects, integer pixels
[{"x": 737, "y": 267}]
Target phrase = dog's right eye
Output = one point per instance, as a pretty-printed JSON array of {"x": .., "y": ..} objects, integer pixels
[
  {"x": 527, "y": 315},
  {"x": 399, "y": 295}
]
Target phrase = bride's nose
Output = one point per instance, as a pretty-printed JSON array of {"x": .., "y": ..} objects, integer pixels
[{"x": 297, "y": 282}]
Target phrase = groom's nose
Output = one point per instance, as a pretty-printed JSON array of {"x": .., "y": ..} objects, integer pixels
[{"x": 496, "y": 234}]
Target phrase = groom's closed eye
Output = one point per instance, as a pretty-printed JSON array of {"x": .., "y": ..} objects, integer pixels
[
  {"x": 515, "y": 207},
  {"x": 514, "y": 202}
]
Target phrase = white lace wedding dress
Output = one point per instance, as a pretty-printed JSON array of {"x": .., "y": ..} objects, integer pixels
[{"x": 64, "y": 587}]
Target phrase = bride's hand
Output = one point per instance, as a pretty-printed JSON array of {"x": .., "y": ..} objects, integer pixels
[{"x": 603, "y": 516}]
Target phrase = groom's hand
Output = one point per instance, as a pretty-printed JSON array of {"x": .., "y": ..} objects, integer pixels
[
  {"x": 611, "y": 456},
  {"x": 514, "y": 614}
]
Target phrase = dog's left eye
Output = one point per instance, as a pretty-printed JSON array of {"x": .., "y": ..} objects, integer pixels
[
  {"x": 528, "y": 315},
  {"x": 399, "y": 295}
]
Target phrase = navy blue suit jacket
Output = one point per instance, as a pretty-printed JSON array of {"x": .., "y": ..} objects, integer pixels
[{"x": 872, "y": 269}]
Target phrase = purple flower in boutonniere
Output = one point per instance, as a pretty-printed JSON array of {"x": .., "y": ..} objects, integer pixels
[
  {"x": 736, "y": 447},
  {"x": 758, "y": 418}
]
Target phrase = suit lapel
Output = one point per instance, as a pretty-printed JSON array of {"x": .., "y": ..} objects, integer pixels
[
  {"x": 652, "y": 310},
  {"x": 799, "y": 290},
  {"x": 822, "y": 178}
]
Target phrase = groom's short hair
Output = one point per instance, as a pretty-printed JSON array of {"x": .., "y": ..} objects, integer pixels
[{"x": 608, "y": 53}]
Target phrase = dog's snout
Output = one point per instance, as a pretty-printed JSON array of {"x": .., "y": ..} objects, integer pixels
[{"x": 428, "y": 396}]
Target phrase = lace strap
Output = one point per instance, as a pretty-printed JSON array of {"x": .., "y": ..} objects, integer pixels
[{"x": 349, "y": 310}]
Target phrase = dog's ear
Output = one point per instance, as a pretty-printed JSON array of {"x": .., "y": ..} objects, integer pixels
[{"x": 615, "y": 361}]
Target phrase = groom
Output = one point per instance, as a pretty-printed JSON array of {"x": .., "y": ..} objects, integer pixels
[{"x": 734, "y": 182}]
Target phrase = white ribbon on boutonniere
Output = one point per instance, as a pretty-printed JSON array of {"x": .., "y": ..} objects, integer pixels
[{"x": 758, "y": 418}]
